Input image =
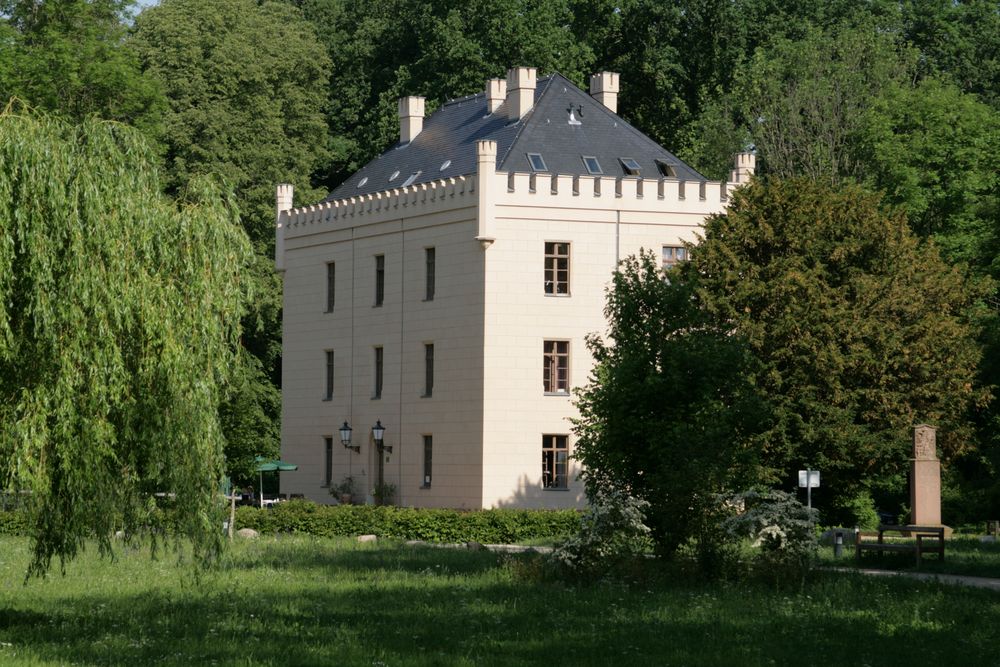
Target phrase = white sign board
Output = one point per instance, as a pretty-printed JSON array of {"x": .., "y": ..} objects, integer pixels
[{"x": 813, "y": 479}]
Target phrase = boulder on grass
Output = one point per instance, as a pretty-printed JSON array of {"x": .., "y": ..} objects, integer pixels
[
  {"x": 367, "y": 538},
  {"x": 474, "y": 546},
  {"x": 248, "y": 533}
]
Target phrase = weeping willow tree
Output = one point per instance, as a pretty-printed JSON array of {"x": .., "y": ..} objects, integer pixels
[{"x": 119, "y": 324}]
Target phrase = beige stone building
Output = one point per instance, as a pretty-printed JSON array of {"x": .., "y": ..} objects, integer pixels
[{"x": 445, "y": 291}]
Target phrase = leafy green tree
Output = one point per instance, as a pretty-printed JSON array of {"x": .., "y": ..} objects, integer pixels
[
  {"x": 862, "y": 330},
  {"x": 119, "y": 322},
  {"x": 247, "y": 90},
  {"x": 668, "y": 413},
  {"x": 384, "y": 49},
  {"x": 70, "y": 57}
]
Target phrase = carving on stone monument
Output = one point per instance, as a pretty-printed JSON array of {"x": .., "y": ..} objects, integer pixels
[
  {"x": 925, "y": 442},
  {"x": 925, "y": 478}
]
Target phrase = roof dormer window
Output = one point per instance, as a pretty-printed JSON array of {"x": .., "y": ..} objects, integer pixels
[
  {"x": 536, "y": 162},
  {"x": 395, "y": 174},
  {"x": 409, "y": 179},
  {"x": 593, "y": 166},
  {"x": 630, "y": 166},
  {"x": 666, "y": 169}
]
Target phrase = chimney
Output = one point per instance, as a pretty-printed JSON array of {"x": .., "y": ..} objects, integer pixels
[
  {"x": 743, "y": 168},
  {"x": 496, "y": 91},
  {"x": 520, "y": 92},
  {"x": 604, "y": 89},
  {"x": 411, "y": 118}
]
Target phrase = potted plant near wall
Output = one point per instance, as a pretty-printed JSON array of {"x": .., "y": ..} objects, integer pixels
[
  {"x": 384, "y": 493},
  {"x": 344, "y": 491}
]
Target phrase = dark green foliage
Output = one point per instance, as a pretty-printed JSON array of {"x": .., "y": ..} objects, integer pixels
[
  {"x": 669, "y": 412},
  {"x": 862, "y": 330},
  {"x": 70, "y": 57},
  {"x": 431, "y": 525},
  {"x": 440, "y": 49},
  {"x": 247, "y": 89}
]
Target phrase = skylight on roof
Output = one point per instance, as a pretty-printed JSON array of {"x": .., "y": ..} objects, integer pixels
[
  {"x": 394, "y": 175},
  {"x": 630, "y": 166},
  {"x": 593, "y": 166},
  {"x": 445, "y": 165},
  {"x": 536, "y": 162},
  {"x": 666, "y": 169},
  {"x": 409, "y": 179},
  {"x": 362, "y": 182}
]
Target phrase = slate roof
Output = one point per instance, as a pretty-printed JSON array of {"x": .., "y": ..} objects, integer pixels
[{"x": 451, "y": 133}]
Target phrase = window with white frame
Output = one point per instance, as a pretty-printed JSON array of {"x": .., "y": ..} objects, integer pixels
[
  {"x": 555, "y": 454},
  {"x": 555, "y": 371},
  {"x": 556, "y": 268}
]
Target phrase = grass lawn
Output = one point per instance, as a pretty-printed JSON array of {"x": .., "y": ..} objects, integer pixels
[
  {"x": 305, "y": 601},
  {"x": 962, "y": 555}
]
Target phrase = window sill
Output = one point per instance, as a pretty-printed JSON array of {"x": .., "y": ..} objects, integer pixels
[
  {"x": 427, "y": 300},
  {"x": 377, "y": 305},
  {"x": 554, "y": 488},
  {"x": 376, "y": 398},
  {"x": 327, "y": 399},
  {"x": 558, "y": 296},
  {"x": 426, "y": 395},
  {"x": 425, "y": 486},
  {"x": 564, "y": 394}
]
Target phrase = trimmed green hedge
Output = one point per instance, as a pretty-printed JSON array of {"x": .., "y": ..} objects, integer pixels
[
  {"x": 14, "y": 523},
  {"x": 431, "y": 525}
]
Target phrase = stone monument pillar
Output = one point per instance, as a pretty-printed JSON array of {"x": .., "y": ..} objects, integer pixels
[{"x": 925, "y": 478}]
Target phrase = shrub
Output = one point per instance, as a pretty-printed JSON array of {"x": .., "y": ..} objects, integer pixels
[
  {"x": 780, "y": 527},
  {"x": 612, "y": 532}
]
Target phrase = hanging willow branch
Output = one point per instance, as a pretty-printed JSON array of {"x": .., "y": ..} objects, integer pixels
[{"x": 119, "y": 322}]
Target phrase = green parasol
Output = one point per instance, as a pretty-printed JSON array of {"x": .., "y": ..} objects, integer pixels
[{"x": 265, "y": 465}]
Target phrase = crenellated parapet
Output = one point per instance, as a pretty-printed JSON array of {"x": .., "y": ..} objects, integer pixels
[{"x": 422, "y": 199}]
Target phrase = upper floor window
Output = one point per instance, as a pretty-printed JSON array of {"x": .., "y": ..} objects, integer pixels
[
  {"x": 328, "y": 391},
  {"x": 331, "y": 283},
  {"x": 429, "y": 261},
  {"x": 537, "y": 162},
  {"x": 428, "y": 369},
  {"x": 379, "y": 279},
  {"x": 556, "y": 268},
  {"x": 593, "y": 166},
  {"x": 674, "y": 254},
  {"x": 555, "y": 371},
  {"x": 630, "y": 166}
]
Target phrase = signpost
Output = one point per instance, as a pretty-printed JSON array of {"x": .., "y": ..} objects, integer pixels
[{"x": 809, "y": 479}]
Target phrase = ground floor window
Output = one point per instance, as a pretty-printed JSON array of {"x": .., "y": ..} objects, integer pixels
[
  {"x": 428, "y": 458},
  {"x": 555, "y": 452},
  {"x": 328, "y": 461}
]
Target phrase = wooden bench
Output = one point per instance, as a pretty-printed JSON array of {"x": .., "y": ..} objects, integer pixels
[{"x": 923, "y": 534}]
